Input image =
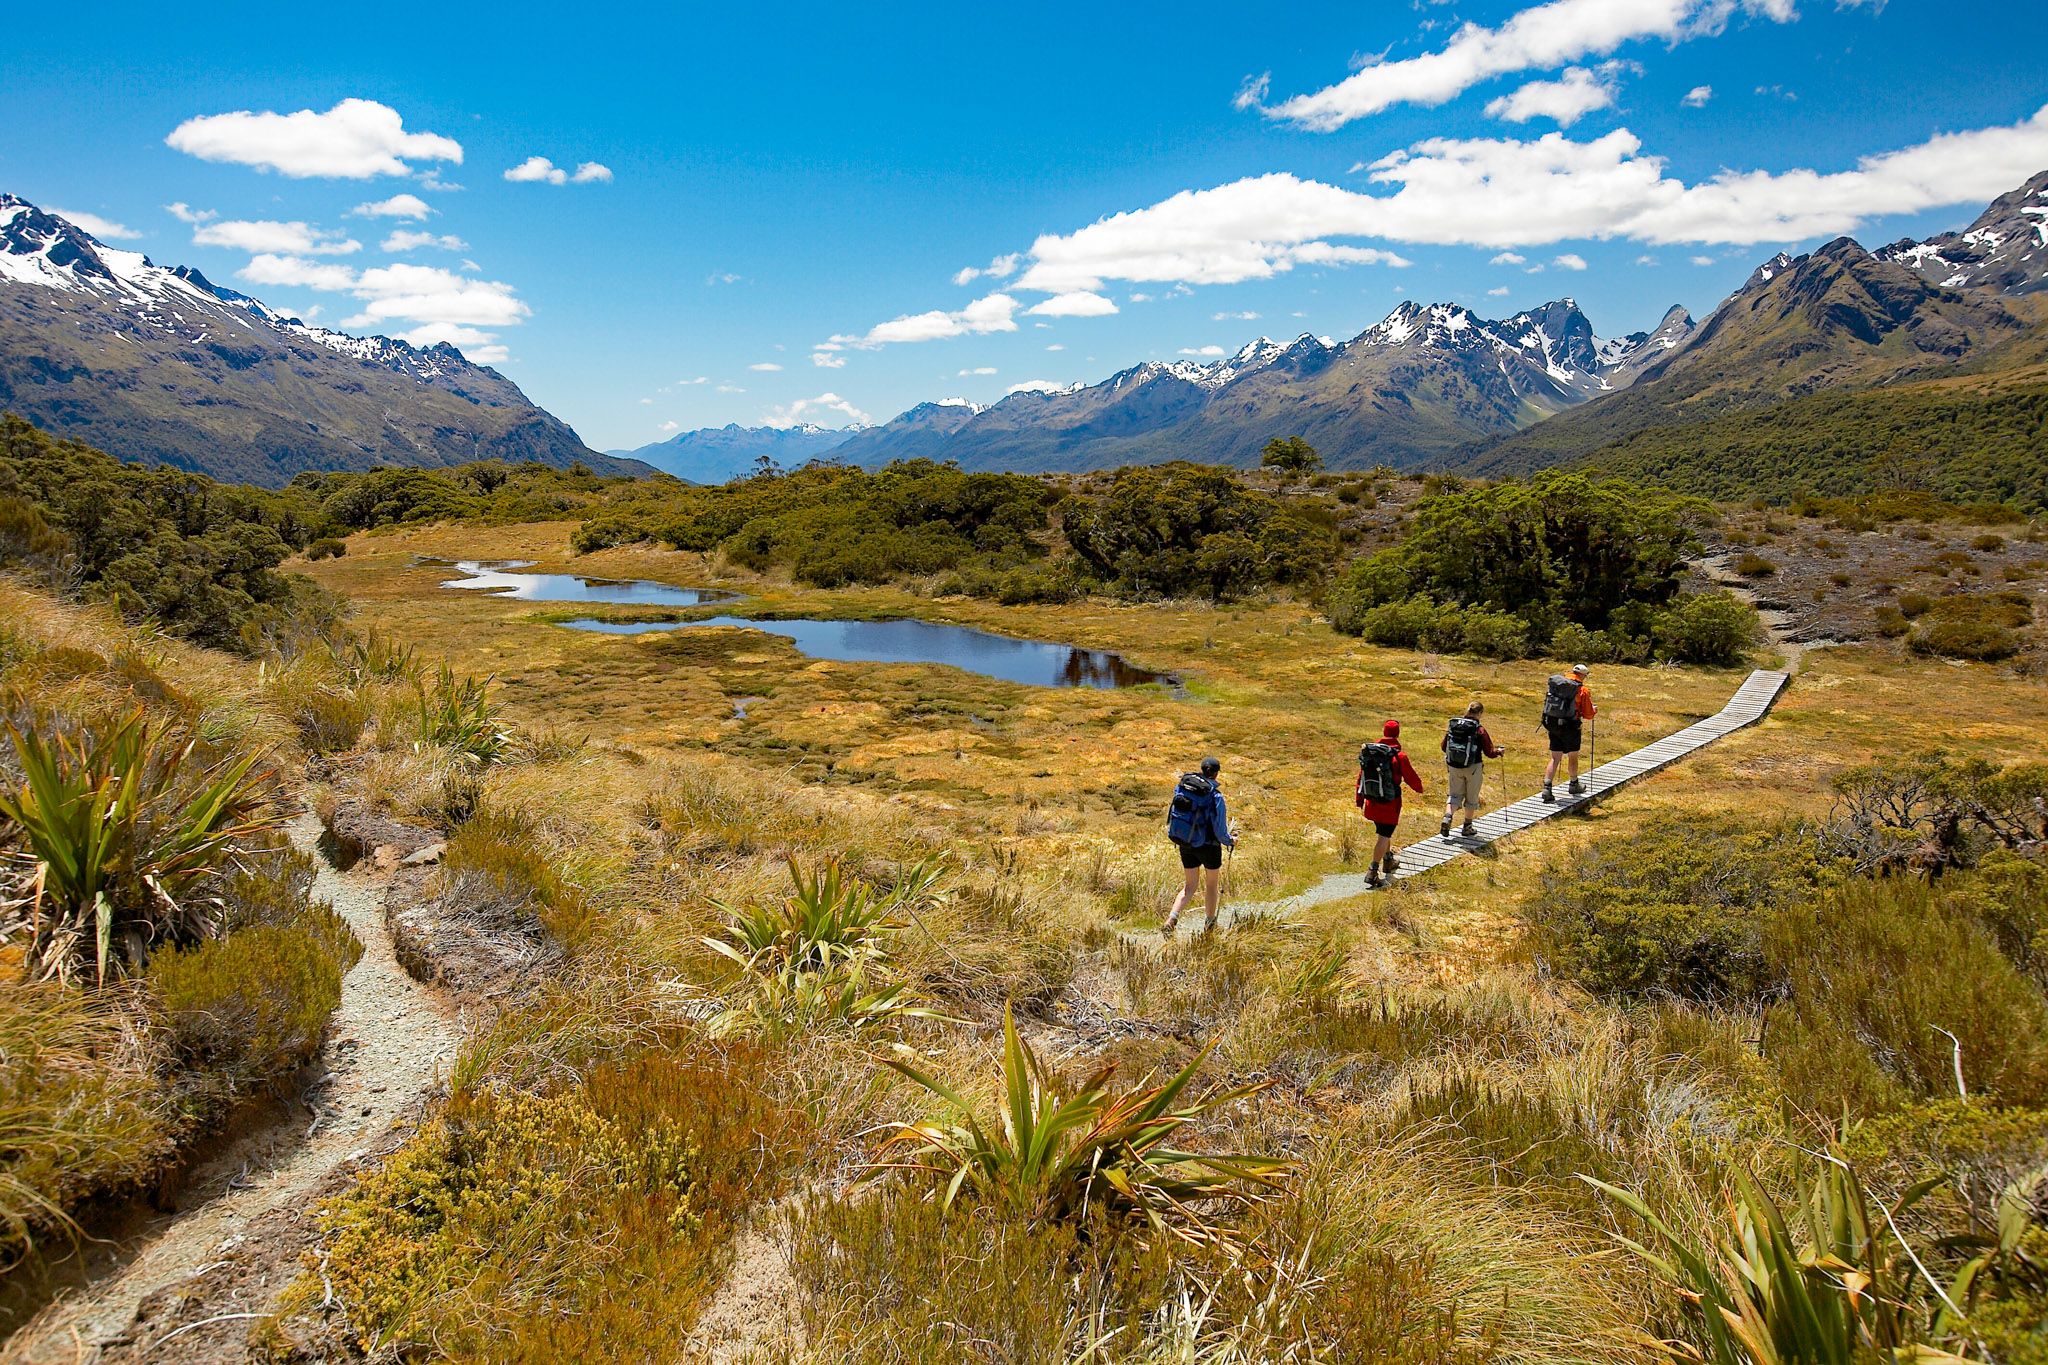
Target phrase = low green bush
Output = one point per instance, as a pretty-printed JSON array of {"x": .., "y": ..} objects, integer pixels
[
  {"x": 1753, "y": 565},
  {"x": 1981, "y": 626},
  {"x": 1889, "y": 990},
  {"x": 1704, "y": 628},
  {"x": 248, "y": 1008},
  {"x": 327, "y": 547},
  {"x": 1678, "y": 909}
]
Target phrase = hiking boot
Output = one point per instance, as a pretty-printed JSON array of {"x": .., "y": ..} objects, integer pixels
[
  {"x": 1548, "y": 794},
  {"x": 1390, "y": 864},
  {"x": 1577, "y": 787},
  {"x": 1372, "y": 878},
  {"x": 1443, "y": 831},
  {"x": 1166, "y": 929},
  {"x": 1468, "y": 832}
]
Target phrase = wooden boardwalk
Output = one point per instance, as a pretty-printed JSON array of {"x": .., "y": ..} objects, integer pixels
[{"x": 1750, "y": 704}]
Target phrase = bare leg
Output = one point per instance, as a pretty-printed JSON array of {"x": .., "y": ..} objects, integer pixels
[
  {"x": 1212, "y": 892},
  {"x": 1180, "y": 902},
  {"x": 1550, "y": 773},
  {"x": 1380, "y": 849}
]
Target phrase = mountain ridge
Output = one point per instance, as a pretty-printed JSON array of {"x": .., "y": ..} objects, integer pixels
[{"x": 160, "y": 365}]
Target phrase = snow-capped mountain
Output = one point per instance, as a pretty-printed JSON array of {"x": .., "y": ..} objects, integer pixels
[
  {"x": 2006, "y": 249},
  {"x": 162, "y": 365},
  {"x": 718, "y": 454},
  {"x": 1424, "y": 379}
]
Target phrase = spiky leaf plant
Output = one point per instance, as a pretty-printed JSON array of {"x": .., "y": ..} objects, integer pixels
[
  {"x": 123, "y": 835},
  {"x": 1060, "y": 1151}
]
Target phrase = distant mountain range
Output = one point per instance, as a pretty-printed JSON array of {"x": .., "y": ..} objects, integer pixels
[
  {"x": 1426, "y": 380},
  {"x": 163, "y": 366},
  {"x": 1436, "y": 385}
]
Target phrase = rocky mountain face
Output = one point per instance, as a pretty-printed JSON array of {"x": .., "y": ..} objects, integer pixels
[
  {"x": 2006, "y": 249},
  {"x": 720, "y": 454},
  {"x": 1427, "y": 378},
  {"x": 1839, "y": 318},
  {"x": 163, "y": 366}
]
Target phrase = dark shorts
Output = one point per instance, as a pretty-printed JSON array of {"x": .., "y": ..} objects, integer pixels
[
  {"x": 1567, "y": 739},
  {"x": 1385, "y": 828},
  {"x": 1201, "y": 855}
]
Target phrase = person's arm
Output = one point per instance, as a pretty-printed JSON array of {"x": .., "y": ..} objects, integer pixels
[
  {"x": 1444, "y": 745},
  {"x": 1223, "y": 834},
  {"x": 1486, "y": 744},
  {"x": 1585, "y": 703},
  {"x": 1358, "y": 788},
  {"x": 1408, "y": 773}
]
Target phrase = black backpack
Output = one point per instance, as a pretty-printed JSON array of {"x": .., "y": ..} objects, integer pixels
[
  {"x": 1191, "y": 815},
  {"x": 1377, "y": 780},
  {"x": 1561, "y": 701},
  {"x": 1461, "y": 743}
]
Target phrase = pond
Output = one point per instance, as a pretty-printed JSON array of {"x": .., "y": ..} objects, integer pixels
[
  {"x": 502, "y": 579},
  {"x": 1035, "y": 663}
]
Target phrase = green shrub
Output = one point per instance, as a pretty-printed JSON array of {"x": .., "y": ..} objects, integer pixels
[
  {"x": 1892, "y": 623},
  {"x": 1399, "y": 625},
  {"x": 1678, "y": 909},
  {"x": 1753, "y": 565},
  {"x": 1988, "y": 542},
  {"x": 1883, "y": 974},
  {"x": 1983, "y": 626},
  {"x": 1186, "y": 530},
  {"x": 250, "y": 1007},
  {"x": 327, "y": 547},
  {"x": 1914, "y": 604},
  {"x": 1705, "y": 628},
  {"x": 2008, "y": 895}
]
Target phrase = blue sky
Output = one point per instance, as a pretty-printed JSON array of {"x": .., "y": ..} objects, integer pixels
[{"x": 799, "y": 185}]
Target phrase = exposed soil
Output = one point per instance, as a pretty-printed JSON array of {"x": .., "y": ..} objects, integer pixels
[{"x": 185, "y": 1288}]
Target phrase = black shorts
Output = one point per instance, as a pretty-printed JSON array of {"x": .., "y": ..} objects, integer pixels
[
  {"x": 1385, "y": 828},
  {"x": 1201, "y": 855},
  {"x": 1567, "y": 739}
]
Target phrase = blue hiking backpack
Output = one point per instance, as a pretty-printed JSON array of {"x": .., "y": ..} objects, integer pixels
[{"x": 1191, "y": 815}]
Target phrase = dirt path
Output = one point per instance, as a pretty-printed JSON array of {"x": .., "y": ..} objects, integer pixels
[
  {"x": 1778, "y": 623},
  {"x": 229, "y": 1250}
]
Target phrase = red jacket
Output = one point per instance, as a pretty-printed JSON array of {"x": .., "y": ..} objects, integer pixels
[{"x": 1388, "y": 812}]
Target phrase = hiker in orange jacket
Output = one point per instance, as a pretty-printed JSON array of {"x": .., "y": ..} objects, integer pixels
[
  {"x": 1567, "y": 706},
  {"x": 1383, "y": 769}
]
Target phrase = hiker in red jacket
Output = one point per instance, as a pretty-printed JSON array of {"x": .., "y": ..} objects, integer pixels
[{"x": 1382, "y": 770}]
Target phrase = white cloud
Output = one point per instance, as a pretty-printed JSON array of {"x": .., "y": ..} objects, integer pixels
[
  {"x": 1079, "y": 304},
  {"x": 185, "y": 213},
  {"x": 1697, "y": 97},
  {"x": 106, "y": 229},
  {"x": 407, "y": 240},
  {"x": 1509, "y": 258},
  {"x": 1246, "y": 316},
  {"x": 1564, "y": 101},
  {"x": 803, "y": 409},
  {"x": 479, "y": 346},
  {"x": 700, "y": 379},
  {"x": 540, "y": 170},
  {"x": 1506, "y": 193},
  {"x": 1497, "y": 292},
  {"x": 729, "y": 388},
  {"x": 828, "y": 360},
  {"x": 1703, "y": 260},
  {"x": 297, "y": 272},
  {"x": 428, "y": 294},
  {"x": 1035, "y": 386},
  {"x": 765, "y": 367},
  {"x": 397, "y": 206},
  {"x": 294, "y": 238},
  {"x": 647, "y": 402},
  {"x": 355, "y": 140},
  {"x": 1056, "y": 346},
  {"x": 1001, "y": 268},
  {"x": 978, "y": 370},
  {"x": 990, "y": 313},
  {"x": 1541, "y": 38},
  {"x": 1646, "y": 259},
  {"x": 1141, "y": 298},
  {"x": 670, "y": 425},
  {"x": 1203, "y": 350},
  {"x": 1570, "y": 260},
  {"x": 723, "y": 277}
]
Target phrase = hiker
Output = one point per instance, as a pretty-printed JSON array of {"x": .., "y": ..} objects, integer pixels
[
  {"x": 1466, "y": 747},
  {"x": 1567, "y": 706},
  {"x": 1199, "y": 826},
  {"x": 1383, "y": 767}
]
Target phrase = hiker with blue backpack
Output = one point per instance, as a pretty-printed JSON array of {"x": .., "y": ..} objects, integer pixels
[
  {"x": 1199, "y": 826},
  {"x": 1466, "y": 747},
  {"x": 1383, "y": 768}
]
